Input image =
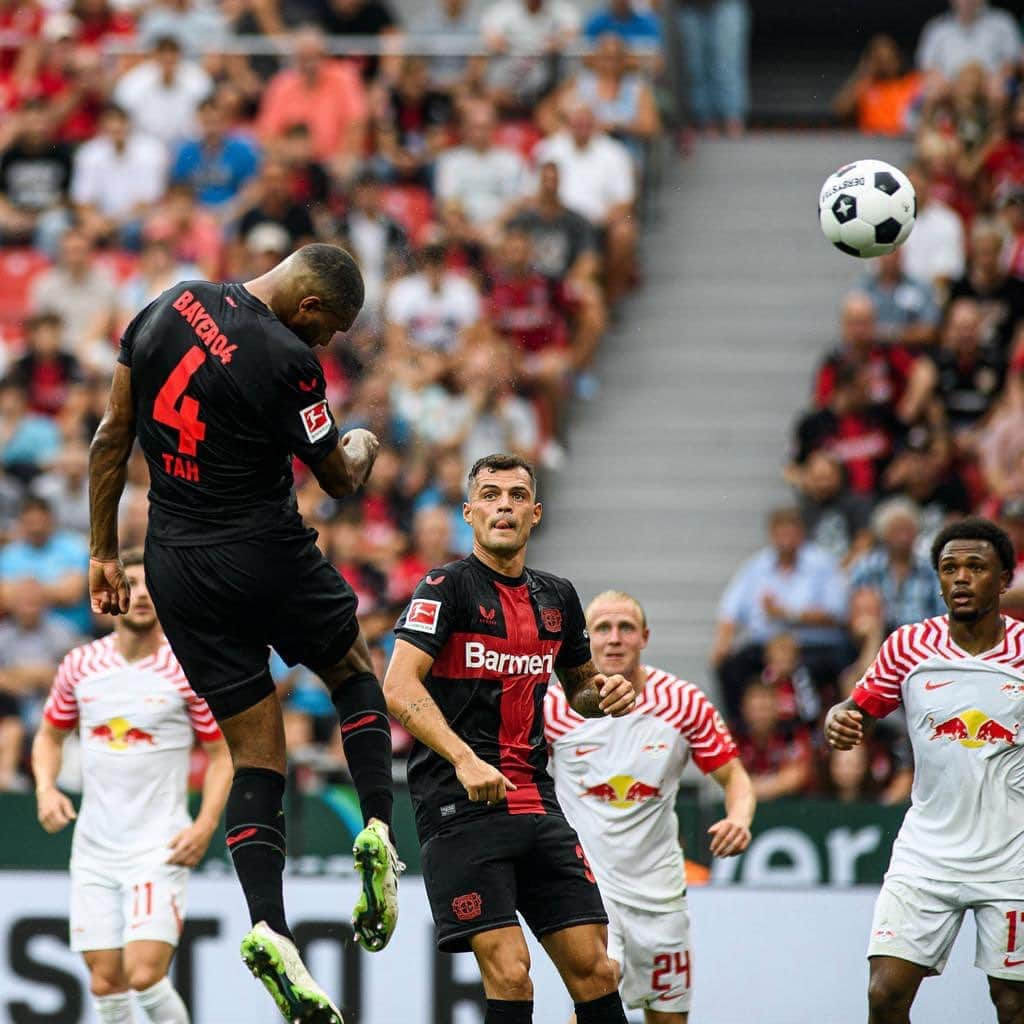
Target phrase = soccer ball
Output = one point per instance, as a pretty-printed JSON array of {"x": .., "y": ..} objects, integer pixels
[{"x": 867, "y": 208}]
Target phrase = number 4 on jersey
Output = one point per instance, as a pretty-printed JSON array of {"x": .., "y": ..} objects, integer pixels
[{"x": 184, "y": 419}]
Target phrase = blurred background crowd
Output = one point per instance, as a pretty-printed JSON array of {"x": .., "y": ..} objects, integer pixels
[
  {"x": 915, "y": 416},
  {"x": 485, "y": 163},
  {"x": 488, "y": 164}
]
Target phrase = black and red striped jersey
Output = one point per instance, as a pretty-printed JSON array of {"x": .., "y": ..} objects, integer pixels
[{"x": 495, "y": 641}]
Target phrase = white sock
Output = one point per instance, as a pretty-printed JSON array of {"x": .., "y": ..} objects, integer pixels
[
  {"x": 115, "y": 1009},
  {"x": 162, "y": 1004}
]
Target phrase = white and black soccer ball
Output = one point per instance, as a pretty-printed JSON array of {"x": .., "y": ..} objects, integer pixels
[{"x": 867, "y": 208}]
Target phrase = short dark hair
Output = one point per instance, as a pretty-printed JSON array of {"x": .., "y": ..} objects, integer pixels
[
  {"x": 339, "y": 281},
  {"x": 133, "y": 556},
  {"x": 976, "y": 528},
  {"x": 498, "y": 462},
  {"x": 33, "y": 501},
  {"x": 113, "y": 110}
]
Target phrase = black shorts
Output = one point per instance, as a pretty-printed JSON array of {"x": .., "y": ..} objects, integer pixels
[
  {"x": 222, "y": 605},
  {"x": 477, "y": 876}
]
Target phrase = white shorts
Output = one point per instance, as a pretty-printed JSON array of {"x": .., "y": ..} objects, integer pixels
[
  {"x": 110, "y": 909},
  {"x": 653, "y": 951},
  {"x": 917, "y": 919}
]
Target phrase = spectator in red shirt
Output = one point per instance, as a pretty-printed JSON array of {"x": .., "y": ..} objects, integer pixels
[
  {"x": 348, "y": 551},
  {"x": 326, "y": 94},
  {"x": 98, "y": 21},
  {"x": 1003, "y": 160},
  {"x": 20, "y": 27},
  {"x": 431, "y": 546},
  {"x": 896, "y": 378},
  {"x": 527, "y": 309},
  {"x": 778, "y": 759},
  {"x": 46, "y": 371},
  {"x": 860, "y": 433}
]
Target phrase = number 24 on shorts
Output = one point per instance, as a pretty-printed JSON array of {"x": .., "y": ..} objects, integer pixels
[{"x": 670, "y": 963}]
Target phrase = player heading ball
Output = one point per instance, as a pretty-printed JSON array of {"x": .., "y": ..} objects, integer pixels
[{"x": 220, "y": 385}]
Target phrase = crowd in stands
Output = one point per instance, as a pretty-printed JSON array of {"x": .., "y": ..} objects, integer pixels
[
  {"x": 914, "y": 418},
  {"x": 489, "y": 194}
]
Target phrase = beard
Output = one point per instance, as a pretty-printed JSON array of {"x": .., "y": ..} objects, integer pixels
[
  {"x": 141, "y": 625},
  {"x": 965, "y": 615}
]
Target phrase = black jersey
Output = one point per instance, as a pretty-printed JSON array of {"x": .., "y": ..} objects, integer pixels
[
  {"x": 495, "y": 643},
  {"x": 224, "y": 396}
]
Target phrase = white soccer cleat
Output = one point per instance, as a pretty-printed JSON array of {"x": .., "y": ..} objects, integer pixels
[{"x": 276, "y": 962}]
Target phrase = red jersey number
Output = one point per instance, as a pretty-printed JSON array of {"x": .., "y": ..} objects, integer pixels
[{"x": 185, "y": 418}]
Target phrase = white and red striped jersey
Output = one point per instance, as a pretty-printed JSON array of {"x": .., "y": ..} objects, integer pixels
[
  {"x": 617, "y": 780},
  {"x": 136, "y": 721},
  {"x": 964, "y": 714}
]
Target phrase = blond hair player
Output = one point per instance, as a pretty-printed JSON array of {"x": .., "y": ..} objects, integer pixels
[
  {"x": 134, "y": 841},
  {"x": 617, "y": 781}
]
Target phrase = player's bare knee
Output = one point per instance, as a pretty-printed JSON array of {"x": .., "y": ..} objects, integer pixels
[
  {"x": 144, "y": 975},
  {"x": 889, "y": 999},
  {"x": 105, "y": 982},
  {"x": 507, "y": 975}
]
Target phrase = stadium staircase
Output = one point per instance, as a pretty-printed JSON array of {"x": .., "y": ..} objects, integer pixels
[{"x": 673, "y": 466}]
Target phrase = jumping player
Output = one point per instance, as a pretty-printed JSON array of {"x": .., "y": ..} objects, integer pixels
[
  {"x": 221, "y": 386},
  {"x": 134, "y": 842},
  {"x": 618, "y": 779},
  {"x": 960, "y": 680},
  {"x": 476, "y": 647}
]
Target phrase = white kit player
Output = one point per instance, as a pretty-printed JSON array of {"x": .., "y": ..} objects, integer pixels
[
  {"x": 617, "y": 781},
  {"x": 134, "y": 841},
  {"x": 960, "y": 681}
]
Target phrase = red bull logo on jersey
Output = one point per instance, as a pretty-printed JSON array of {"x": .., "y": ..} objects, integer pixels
[
  {"x": 120, "y": 734},
  {"x": 622, "y": 791},
  {"x": 1013, "y": 687},
  {"x": 973, "y": 728}
]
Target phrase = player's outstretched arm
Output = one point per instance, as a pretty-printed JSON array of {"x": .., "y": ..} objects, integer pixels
[
  {"x": 409, "y": 701},
  {"x": 349, "y": 465},
  {"x": 108, "y": 459},
  {"x": 592, "y": 695},
  {"x": 53, "y": 808},
  {"x": 731, "y": 835},
  {"x": 844, "y": 724}
]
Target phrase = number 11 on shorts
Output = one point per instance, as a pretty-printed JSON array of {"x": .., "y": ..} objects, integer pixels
[
  {"x": 142, "y": 900},
  {"x": 1014, "y": 919}
]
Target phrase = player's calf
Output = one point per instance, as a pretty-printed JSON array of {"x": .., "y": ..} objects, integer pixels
[{"x": 891, "y": 990}]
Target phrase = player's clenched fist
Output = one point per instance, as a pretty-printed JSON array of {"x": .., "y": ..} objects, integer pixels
[
  {"x": 54, "y": 809},
  {"x": 618, "y": 696},
  {"x": 360, "y": 447},
  {"x": 109, "y": 593},
  {"x": 844, "y": 728},
  {"x": 482, "y": 781}
]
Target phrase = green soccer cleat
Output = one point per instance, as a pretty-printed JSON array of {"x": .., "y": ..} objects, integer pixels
[
  {"x": 376, "y": 911},
  {"x": 276, "y": 962}
]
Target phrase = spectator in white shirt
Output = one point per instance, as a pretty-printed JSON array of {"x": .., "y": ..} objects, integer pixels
[
  {"x": 934, "y": 252},
  {"x": 971, "y": 33},
  {"x": 161, "y": 95},
  {"x": 82, "y": 294},
  {"x": 596, "y": 179},
  {"x": 117, "y": 179},
  {"x": 527, "y": 34},
  {"x": 432, "y": 309},
  {"x": 486, "y": 179},
  {"x": 487, "y": 416}
]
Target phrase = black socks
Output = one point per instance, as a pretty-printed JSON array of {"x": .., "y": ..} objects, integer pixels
[
  {"x": 606, "y": 1010},
  {"x": 366, "y": 737},
  {"x": 255, "y": 835},
  {"x": 509, "y": 1011}
]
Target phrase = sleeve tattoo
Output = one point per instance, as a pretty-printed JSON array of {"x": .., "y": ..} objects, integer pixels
[{"x": 584, "y": 697}]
